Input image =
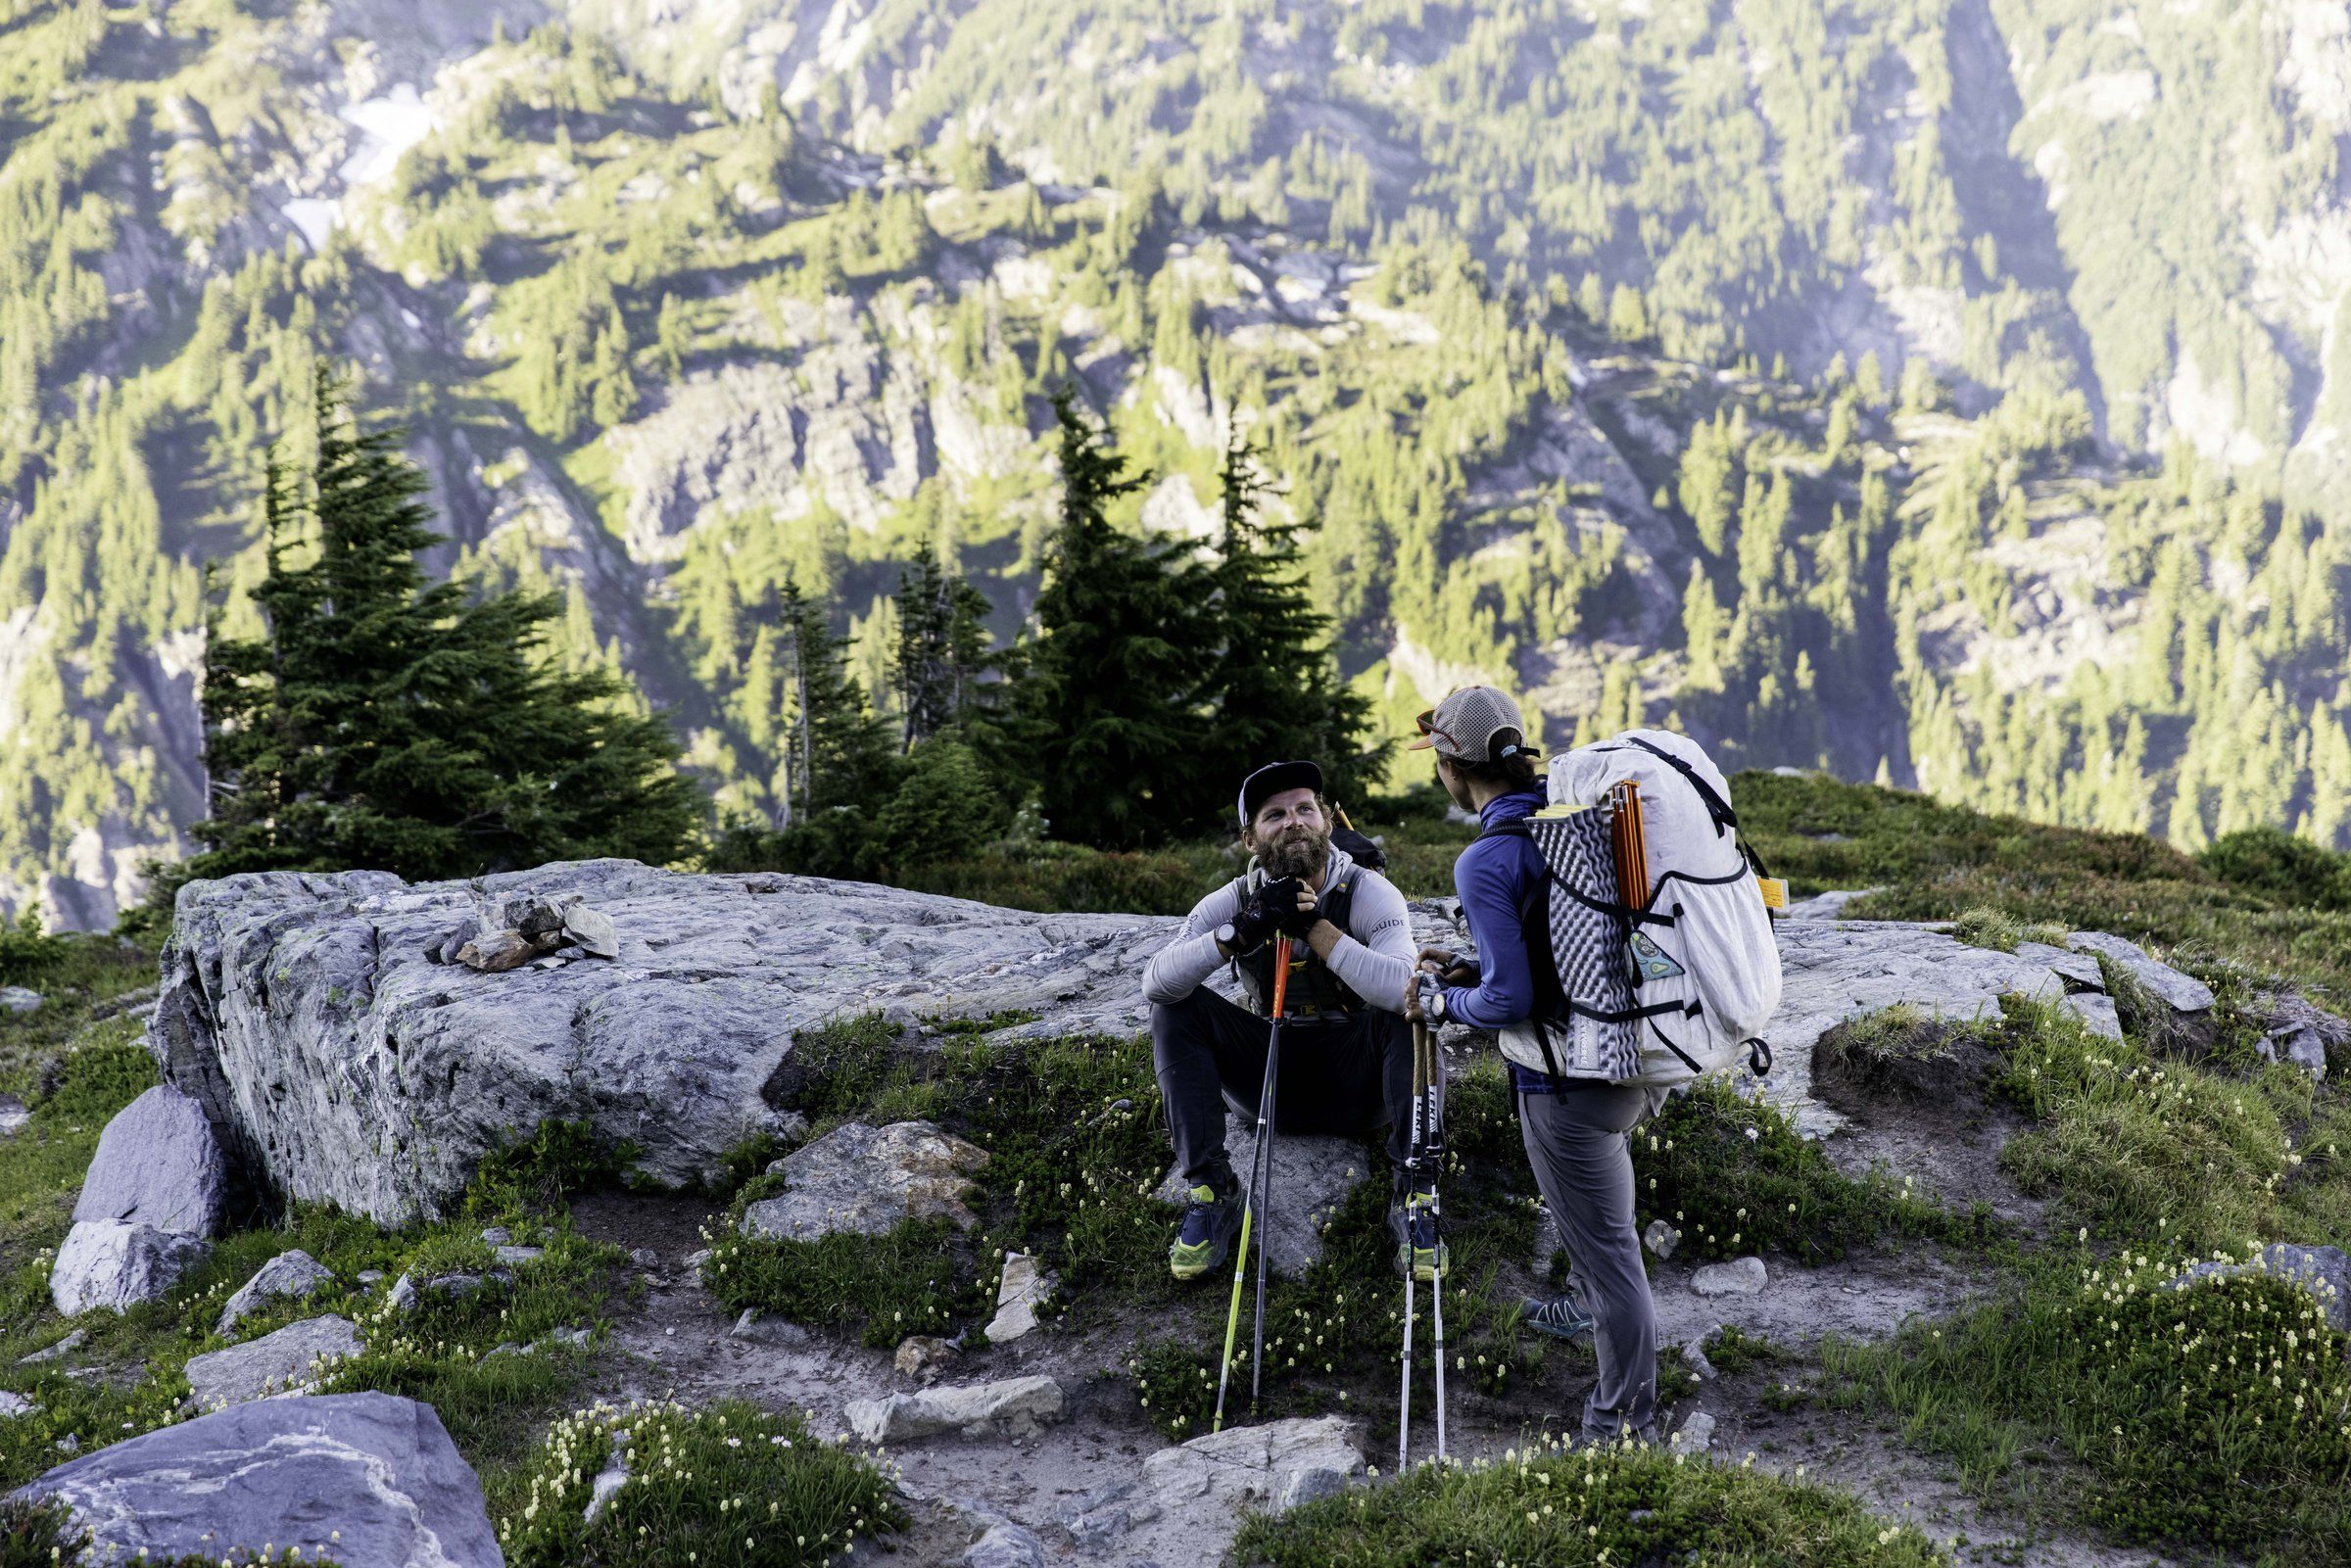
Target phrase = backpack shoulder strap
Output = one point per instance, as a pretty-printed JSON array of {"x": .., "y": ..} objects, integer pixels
[{"x": 1716, "y": 807}]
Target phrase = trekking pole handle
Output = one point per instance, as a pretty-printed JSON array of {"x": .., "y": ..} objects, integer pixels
[{"x": 1281, "y": 972}]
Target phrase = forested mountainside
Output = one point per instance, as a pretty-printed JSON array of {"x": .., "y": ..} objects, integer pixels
[{"x": 1951, "y": 391}]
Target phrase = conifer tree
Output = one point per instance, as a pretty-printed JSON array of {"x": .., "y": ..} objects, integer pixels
[
  {"x": 380, "y": 721},
  {"x": 943, "y": 650},
  {"x": 840, "y": 749},
  {"x": 1276, "y": 689},
  {"x": 1112, "y": 707}
]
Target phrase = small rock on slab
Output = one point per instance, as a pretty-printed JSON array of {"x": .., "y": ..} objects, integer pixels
[
  {"x": 1272, "y": 1467},
  {"x": 495, "y": 951},
  {"x": 1741, "y": 1276},
  {"x": 1696, "y": 1436},
  {"x": 1019, "y": 1406},
  {"x": 365, "y": 1480},
  {"x": 924, "y": 1356},
  {"x": 18, "y": 999},
  {"x": 1026, "y": 1286},
  {"x": 107, "y": 1264},
  {"x": 593, "y": 930},
  {"x": 1312, "y": 1174},
  {"x": 2323, "y": 1272},
  {"x": 294, "y": 1273},
  {"x": 1660, "y": 1239},
  {"x": 292, "y": 1358},
  {"x": 158, "y": 1163},
  {"x": 867, "y": 1180},
  {"x": 2096, "y": 1010},
  {"x": 2184, "y": 992}
]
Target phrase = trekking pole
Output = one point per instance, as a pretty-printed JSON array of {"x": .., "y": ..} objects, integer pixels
[
  {"x": 1257, "y": 1156},
  {"x": 1433, "y": 1150},
  {"x": 1269, "y": 1112},
  {"x": 1412, "y": 1165}
]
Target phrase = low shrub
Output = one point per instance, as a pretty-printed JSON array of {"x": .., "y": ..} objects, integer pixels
[
  {"x": 2280, "y": 867},
  {"x": 2208, "y": 1412},
  {"x": 1562, "y": 1508},
  {"x": 1731, "y": 1172},
  {"x": 729, "y": 1487},
  {"x": 2129, "y": 1144}
]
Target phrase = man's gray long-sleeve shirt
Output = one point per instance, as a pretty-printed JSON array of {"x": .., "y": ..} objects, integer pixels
[{"x": 1373, "y": 956}]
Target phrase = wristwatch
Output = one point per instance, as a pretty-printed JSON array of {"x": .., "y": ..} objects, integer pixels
[{"x": 1228, "y": 937}]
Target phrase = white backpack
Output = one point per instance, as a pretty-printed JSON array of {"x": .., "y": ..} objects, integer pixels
[{"x": 1672, "y": 989}]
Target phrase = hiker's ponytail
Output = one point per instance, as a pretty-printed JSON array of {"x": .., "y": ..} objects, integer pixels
[{"x": 1512, "y": 766}]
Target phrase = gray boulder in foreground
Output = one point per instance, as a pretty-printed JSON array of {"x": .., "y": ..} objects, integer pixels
[
  {"x": 365, "y": 1480},
  {"x": 347, "y": 1067},
  {"x": 1312, "y": 1174},
  {"x": 2184, "y": 992},
  {"x": 867, "y": 1180}
]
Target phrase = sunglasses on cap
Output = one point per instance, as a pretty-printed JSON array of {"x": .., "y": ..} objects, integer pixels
[{"x": 1427, "y": 721}]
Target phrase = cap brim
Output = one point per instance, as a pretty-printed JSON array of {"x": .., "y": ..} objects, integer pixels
[{"x": 1272, "y": 780}]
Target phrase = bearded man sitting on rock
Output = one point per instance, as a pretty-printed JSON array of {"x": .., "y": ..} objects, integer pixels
[{"x": 1346, "y": 1050}]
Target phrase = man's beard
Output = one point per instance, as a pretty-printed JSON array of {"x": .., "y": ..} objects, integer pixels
[{"x": 1295, "y": 853}]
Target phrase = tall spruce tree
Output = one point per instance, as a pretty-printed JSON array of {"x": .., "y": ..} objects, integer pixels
[
  {"x": 1112, "y": 706},
  {"x": 381, "y": 721},
  {"x": 943, "y": 651},
  {"x": 1276, "y": 687},
  {"x": 841, "y": 755}
]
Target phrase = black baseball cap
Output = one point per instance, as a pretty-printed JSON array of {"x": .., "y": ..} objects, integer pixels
[{"x": 1271, "y": 779}]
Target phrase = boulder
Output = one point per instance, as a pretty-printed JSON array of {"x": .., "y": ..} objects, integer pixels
[
  {"x": 866, "y": 1181},
  {"x": 2299, "y": 1032},
  {"x": 365, "y": 1479},
  {"x": 1835, "y": 970},
  {"x": 344, "y": 1066},
  {"x": 14, "y": 1116},
  {"x": 58, "y": 1351},
  {"x": 1269, "y": 1467},
  {"x": 1312, "y": 1174},
  {"x": 290, "y": 1360},
  {"x": 1019, "y": 1406},
  {"x": 2323, "y": 1272},
  {"x": 1695, "y": 1436},
  {"x": 1741, "y": 1276},
  {"x": 19, "y": 999},
  {"x": 158, "y": 1163},
  {"x": 2185, "y": 993},
  {"x": 1005, "y": 1544},
  {"x": 1025, "y": 1285},
  {"x": 294, "y": 1273},
  {"x": 107, "y": 1264},
  {"x": 1660, "y": 1239}
]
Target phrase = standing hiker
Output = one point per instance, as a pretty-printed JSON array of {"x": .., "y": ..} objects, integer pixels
[
  {"x": 1345, "y": 1062},
  {"x": 1573, "y": 1128}
]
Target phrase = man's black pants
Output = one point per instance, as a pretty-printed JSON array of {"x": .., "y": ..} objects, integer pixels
[{"x": 1337, "y": 1075}]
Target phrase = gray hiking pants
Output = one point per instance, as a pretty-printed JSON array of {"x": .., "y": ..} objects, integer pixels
[{"x": 1576, "y": 1143}]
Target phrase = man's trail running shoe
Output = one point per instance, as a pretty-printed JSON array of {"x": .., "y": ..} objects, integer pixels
[
  {"x": 1210, "y": 1219},
  {"x": 1563, "y": 1317},
  {"x": 1418, "y": 1248}
]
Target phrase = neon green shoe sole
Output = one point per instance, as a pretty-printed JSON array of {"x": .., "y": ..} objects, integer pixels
[{"x": 1216, "y": 1222}]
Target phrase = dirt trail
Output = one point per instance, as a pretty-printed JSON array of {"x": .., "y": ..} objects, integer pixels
[{"x": 677, "y": 1340}]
